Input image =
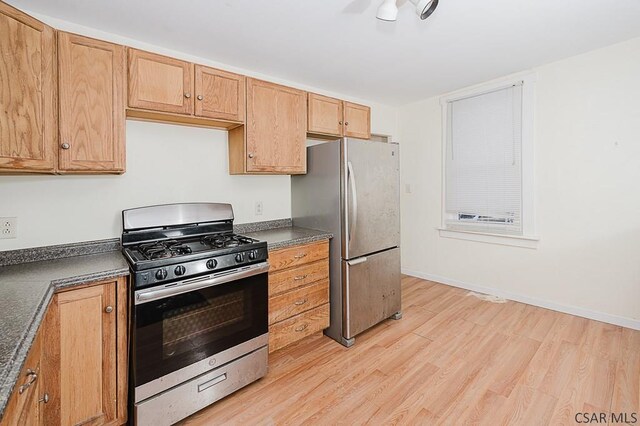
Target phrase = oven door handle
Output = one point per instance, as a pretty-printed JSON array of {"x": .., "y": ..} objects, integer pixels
[{"x": 173, "y": 289}]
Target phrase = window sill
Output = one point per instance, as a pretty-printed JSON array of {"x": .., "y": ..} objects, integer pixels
[{"x": 482, "y": 237}]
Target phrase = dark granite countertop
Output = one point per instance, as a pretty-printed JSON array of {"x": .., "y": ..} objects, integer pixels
[
  {"x": 25, "y": 292},
  {"x": 277, "y": 238}
]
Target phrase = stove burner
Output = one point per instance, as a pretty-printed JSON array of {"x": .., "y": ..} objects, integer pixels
[
  {"x": 223, "y": 241},
  {"x": 163, "y": 249}
]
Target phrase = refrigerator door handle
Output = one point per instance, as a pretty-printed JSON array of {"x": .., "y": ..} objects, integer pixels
[
  {"x": 357, "y": 261},
  {"x": 354, "y": 200}
]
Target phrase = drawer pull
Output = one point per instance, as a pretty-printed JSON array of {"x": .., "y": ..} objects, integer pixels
[
  {"x": 33, "y": 376},
  {"x": 300, "y": 302},
  {"x": 302, "y": 327},
  {"x": 300, "y": 256},
  {"x": 206, "y": 385},
  {"x": 300, "y": 277}
]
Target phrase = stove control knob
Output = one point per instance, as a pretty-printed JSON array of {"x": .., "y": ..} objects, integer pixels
[
  {"x": 240, "y": 257},
  {"x": 212, "y": 263},
  {"x": 161, "y": 274},
  {"x": 252, "y": 254},
  {"x": 180, "y": 270}
]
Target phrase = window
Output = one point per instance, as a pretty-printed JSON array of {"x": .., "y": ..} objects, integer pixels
[{"x": 488, "y": 160}]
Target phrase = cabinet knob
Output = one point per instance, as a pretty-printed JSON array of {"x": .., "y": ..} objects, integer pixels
[
  {"x": 200, "y": 97},
  {"x": 346, "y": 123},
  {"x": 65, "y": 145},
  {"x": 250, "y": 155},
  {"x": 45, "y": 398},
  {"x": 108, "y": 309},
  {"x": 340, "y": 123},
  {"x": 187, "y": 95}
]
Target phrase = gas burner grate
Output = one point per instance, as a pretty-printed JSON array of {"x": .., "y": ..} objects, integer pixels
[
  {"x": 224, "y": 241},
  {"x": 163, "y": 249}
]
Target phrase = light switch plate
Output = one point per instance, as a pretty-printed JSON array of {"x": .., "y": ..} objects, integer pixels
[{"x": 8, "y": 227}]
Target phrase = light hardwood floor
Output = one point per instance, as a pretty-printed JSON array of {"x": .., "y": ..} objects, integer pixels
[{"x": 453, "y": 359}]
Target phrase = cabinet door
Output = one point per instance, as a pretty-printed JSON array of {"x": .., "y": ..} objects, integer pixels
[
  {"x": 92, "y": 110},
  {"x": 325, "y": 115},
  {"x": 276, "y": 128},
  {"x": 80, "y": 355},
  {"x": 23, "y": 408},
  {"x": 27, "y": 93},
  {"x": 357, "y": 121},
  {"x": 160, "y": 83},
  {"x": 219, "y": 94}
]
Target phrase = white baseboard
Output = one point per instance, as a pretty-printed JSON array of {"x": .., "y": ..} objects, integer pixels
[{"x": 554, "y": 306}]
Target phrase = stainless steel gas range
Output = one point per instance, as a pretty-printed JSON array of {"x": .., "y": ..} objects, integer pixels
[{"x": 199, "y": 310}]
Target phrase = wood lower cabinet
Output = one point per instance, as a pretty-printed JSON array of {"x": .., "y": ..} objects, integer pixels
[
  {"x": 76, "y": 370},
  {"x": 298, "y": 293},
  {"x": 85, "y": 355},
  {"x": 91, "y": 75},
  {"x": 160, "y": 83},
  {"x": 273, "y": 140},
  {"x": 25, "y": 405},
  {"x": 357, "y": 120},
  {"x": 27, "y": 93},
  {"x": 219, "y": 94}
]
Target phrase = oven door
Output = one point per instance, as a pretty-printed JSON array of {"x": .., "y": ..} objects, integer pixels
[{"x": 182, "y": 325}]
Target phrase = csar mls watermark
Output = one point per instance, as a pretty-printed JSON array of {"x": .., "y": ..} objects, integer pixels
[{"x": 630, "y": 418}]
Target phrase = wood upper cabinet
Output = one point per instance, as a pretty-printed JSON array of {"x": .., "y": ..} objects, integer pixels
[
  {"x": 91, "y": 85},
  {"x": 85, "y": 356},
  {"x": 219, "y": 94},
  {"x": 276, "y": 130},
  {"x": 334, "y": 117},
  {"x": 160, "y": 83},
  {"x": 325, "y": 115},
  {"x": 27, "y": 93},
  {"x": 24, "y": 406},
  {"x": 357, "y": 120}
]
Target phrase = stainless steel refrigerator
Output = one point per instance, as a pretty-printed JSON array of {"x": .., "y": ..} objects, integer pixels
[{"x": 352, "y": 189}]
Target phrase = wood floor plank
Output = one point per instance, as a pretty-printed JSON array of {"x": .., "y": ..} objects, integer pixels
[
  {"x": 626, "y": 393},
  {"x": 525, "y": 406},
  {"x": 535, "y": 323},
  {"x": 452, "y": 359}
]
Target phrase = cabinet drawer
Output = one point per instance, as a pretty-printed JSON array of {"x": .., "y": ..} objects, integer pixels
[
  {"x": 298, "y": 255},
  {"x": 298, "y": 327},
  {"x": 289, "y": 279},
  {"x": 297, "y": 301}
]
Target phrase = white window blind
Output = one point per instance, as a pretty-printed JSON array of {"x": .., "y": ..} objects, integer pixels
[{"x": 483, "y": 167}]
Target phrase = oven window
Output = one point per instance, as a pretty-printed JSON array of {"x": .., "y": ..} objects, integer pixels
[
  {"x": 199, "y": 321},
  {"x": 180, "y": 330}
]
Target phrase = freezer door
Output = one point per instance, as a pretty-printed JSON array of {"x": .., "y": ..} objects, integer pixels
[
  {"x": 371, "y": 287},
  {"x": 371, "y": 203}
]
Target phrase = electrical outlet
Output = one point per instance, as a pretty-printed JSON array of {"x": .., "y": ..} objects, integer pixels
[
  {"x": 258, "y": 208},
  {"x": 8, "y": 227}
]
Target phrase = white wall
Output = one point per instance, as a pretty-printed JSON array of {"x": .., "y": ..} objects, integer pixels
[
  {"x": 165, "y": 164},
  {"x": 587, "y": 182}
]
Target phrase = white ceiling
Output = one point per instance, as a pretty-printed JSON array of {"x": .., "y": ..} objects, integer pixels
[{"x": 338, "y": 45}]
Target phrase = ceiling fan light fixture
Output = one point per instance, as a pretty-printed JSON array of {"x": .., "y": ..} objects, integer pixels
[
  {"x": 388, "y": 11},
  {"x": 424, "y": 8}
]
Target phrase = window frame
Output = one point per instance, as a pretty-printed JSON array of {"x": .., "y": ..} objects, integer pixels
[{"x": 528, "y": 81}]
